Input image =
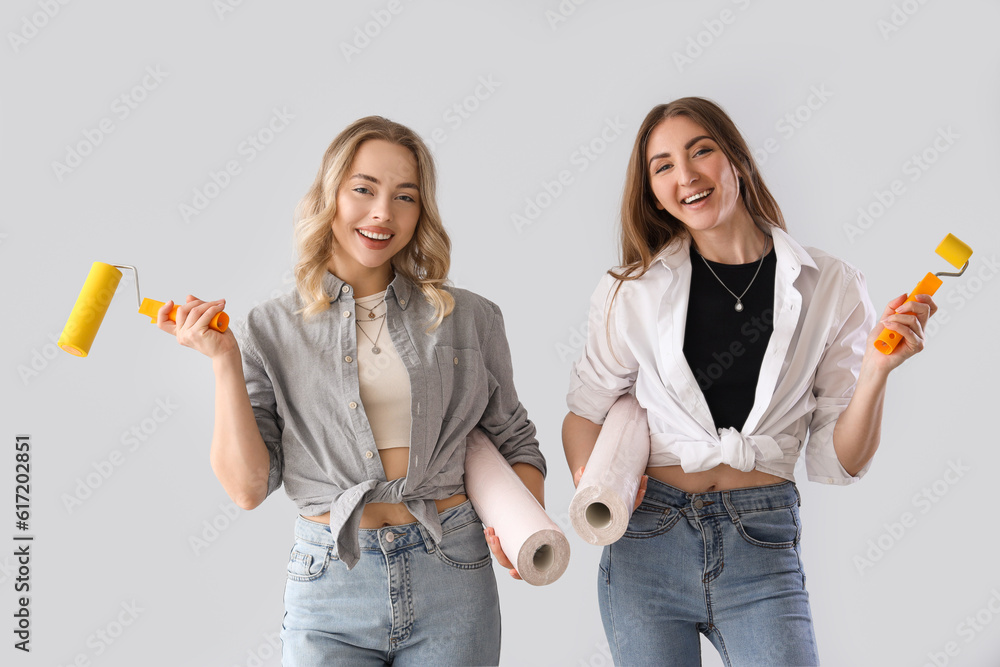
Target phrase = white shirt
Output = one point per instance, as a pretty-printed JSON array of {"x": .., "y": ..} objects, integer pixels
[{"x": 822, "y": 318}]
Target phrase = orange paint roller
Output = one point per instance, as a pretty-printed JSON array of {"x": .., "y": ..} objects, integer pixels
[
  {"x": 957, "y": 254},
  {"x": 92, "y": 304}
]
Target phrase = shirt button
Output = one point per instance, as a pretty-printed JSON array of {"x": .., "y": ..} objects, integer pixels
[
  {"x": 698, "y": 504},
  {"x": 347, "y": 313},
  {"x": 345, "y": 289},
  {"x": 389, "y": 537},
  {"x": 456, "y": 361},
  {"x": 368, "y": 454},
  {"x": 402, "y": 302},
  {"x": 348, "y": 358},
  {"x": 352, "y": 405}
]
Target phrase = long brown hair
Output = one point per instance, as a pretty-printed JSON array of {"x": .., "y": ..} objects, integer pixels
[
  {"x": 645, "y": 229},
  {"x": 424, "y": 260}
]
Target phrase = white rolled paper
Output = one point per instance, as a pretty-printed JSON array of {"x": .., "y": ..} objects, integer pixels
[
  {"x": 602, "y": 505},
  {"x": 529, "y": 538}
]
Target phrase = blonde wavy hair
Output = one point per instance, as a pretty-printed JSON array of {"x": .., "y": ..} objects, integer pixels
[{"x": 424, "y": 260}]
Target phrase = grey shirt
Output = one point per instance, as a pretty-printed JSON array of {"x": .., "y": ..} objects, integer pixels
[{"x": 302, "y": 378}]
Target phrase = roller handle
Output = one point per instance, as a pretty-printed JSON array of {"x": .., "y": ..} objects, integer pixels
[
  {"x": 889, "y": 339},
  {"x": 149, "y": 308}
]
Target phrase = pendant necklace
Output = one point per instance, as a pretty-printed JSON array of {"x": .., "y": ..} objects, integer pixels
[
  {"x": 371, "y": 317},
  {"x": 739, "y": 299}
]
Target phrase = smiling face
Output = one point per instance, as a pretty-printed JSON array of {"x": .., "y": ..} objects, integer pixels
[
  {"x": 378, "y": 206},
  {"x": 691, "y": 178}
]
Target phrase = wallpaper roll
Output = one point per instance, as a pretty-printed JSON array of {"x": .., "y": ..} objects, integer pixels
[
  {"x": 601, "y": 508},
  {"x": 531, "y": 540}
]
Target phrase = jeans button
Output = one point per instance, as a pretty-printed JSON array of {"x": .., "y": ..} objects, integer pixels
[
  {"x": 698, "y": 504},
  {"x": 389, "y": 537}
]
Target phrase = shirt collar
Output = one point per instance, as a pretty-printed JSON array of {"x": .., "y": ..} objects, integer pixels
[
  {"x": 678, "y": 252},
  {"x": 400, "y": 288}
]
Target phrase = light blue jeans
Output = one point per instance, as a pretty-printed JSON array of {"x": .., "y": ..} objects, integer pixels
[
  {"x": 408, "y": 601},
  {"x": 725, "y": 564}
]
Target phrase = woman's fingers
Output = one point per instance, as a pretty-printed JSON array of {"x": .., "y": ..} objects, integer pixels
[
  {"x": 892, "y": 306},
  {"x": 163, "y": 320},
  {"x": 578, "y": 475},
  {"x": 923, "y": 308},
  {"x": 641, "y": 493},
  {"x": 205, "y": 315},
  {"x": 912, "y": 337},
  {"x": 494, "y": 542}
]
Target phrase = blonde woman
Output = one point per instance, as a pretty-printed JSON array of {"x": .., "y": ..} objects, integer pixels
[
  {"x": 741, "y": 344},
  {"x": 356, "y": 391}
]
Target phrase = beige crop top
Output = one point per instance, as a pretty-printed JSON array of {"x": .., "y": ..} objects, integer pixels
[{"x": 382, "y": 379}]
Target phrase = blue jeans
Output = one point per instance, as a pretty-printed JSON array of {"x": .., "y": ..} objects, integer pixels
[
  {"x": 725, "y": 564},
  {"x": 408, "y": 601}
]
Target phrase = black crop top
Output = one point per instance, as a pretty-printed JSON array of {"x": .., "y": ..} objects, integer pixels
[{"x": 724, "y": 347}]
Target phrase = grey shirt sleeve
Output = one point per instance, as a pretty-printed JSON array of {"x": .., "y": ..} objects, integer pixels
[
  {"x": 505, "y": 420},
  {"x": 265, "y": 408}
]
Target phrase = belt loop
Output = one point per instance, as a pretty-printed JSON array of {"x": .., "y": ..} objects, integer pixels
[
  {"x": 426, "y": 537},
  {"x": 798, "y": 496},
  {"x": 730, "y": 508}
]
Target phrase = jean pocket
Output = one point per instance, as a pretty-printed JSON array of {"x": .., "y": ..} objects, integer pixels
[
  {"x": 466, "y": 548},
  {"x": 649, "y": 520},
  {"x": 773, "y": 529},
  {"x": 308, "y": 560}
]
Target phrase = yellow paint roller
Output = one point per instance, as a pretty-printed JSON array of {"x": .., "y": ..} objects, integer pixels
[
  {"x": 95, "y": 297},
  {"x": 957, "y": 254}
]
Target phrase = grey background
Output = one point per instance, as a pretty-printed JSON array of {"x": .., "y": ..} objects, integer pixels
[{"x": 887, "y": 94}]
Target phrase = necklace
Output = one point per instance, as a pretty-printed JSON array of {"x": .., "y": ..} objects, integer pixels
[
  {"x": 371, "y": 311},
  {"x": 372, "y": 317},
  {"x": 375, "y": 348},
  {"x": 739, "y": 299}
]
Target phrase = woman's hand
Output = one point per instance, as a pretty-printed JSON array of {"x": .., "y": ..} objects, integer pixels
[
  {"x": 494, "y": 542},
  {"x": 908, "y": 319},
  {"x": 192, "y": 326},
  {"x": 640, "y": 494}
]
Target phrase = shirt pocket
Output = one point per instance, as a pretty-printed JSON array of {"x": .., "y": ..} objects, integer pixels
[{"x": 464, "y": 391}]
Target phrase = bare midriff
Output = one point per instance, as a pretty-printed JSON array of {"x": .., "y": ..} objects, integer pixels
[
  {"x": 720, "y": 478},
  {"x": 395, "y": 461}
]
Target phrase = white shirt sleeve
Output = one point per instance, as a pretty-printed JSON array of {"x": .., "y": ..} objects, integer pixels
[
  {"x": 836, "y": 378},
  {"x": 607, "y": 368}
]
